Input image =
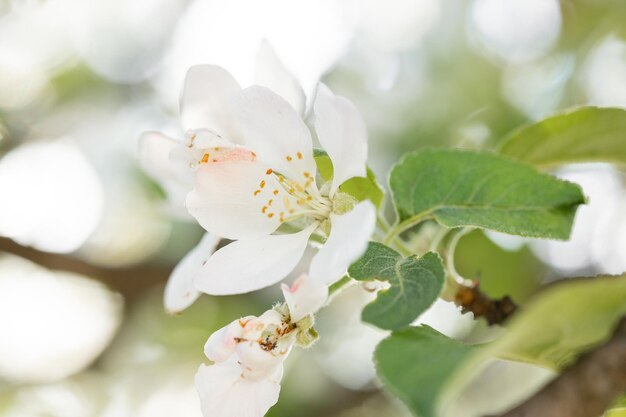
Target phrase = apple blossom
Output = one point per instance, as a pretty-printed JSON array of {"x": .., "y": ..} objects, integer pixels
[
  {"x": 248, "y": 354},
  {"x": 248, "y": 155},
  {"x": 274, "y": 186}
]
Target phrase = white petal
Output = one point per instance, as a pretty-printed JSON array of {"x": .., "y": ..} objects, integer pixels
[
  {"x": 252, "y": 264},
  {"x": 154, "y": 153},
  {"x": 206, "y": 100},
  {"x": 349, "y": 235},
  {"x": 230, "y": 197},
  {"x": 271, "y": 73},
  {"x": 222, "y": 343},
  {"x": 180, "y": 292},
  {"x": 342, "y": 133},
  {"x": 257, "y": 363},
  {"x": 304, "y": 297},
  {"x": 224, "y": 393},
  {"x": 154, "y": 157},
  {"x": 273, "y": 129}
]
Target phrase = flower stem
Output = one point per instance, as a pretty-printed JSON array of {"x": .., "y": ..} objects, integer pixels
[{"x": 398, "y": 228}]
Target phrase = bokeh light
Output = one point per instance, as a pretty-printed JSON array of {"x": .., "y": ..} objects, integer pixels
[
  {"x": 52, "y": 197},
  {"x": 55, "y": 324}
]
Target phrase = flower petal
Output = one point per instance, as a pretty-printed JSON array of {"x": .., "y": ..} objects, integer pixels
[
  {"x": 273, "y": 129},
  {"x": 232, "y": 198},
  {"x": 349, "y": 235},
  {"x": 154, "y": 157},
  {"x": 154, "y": 154},
  {"x": 304, "y": 297},
  {"x": 342, "y": 133},
  {"x": 222, "y": 343},
  {"x": 224, "y": 393},
  {"x": 251, "y": 264},
  {"x": 271, "y": 73},
  {"x": 180, "y": 292},
  {"x": 206, "y": 99}
]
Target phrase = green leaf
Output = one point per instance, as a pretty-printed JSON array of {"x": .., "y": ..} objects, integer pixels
[
  {"x": 416, "y": 363},
  {"x": 463, "y": 188},
  {"x": 618, "y": 409},
  {"x": 433, "y": 375},
  {"x": 563, "y": 321},
  {"x": 585, "y": 134},
  {"x": 415, "y": 283},
  {"x": 361, "y": 188}
]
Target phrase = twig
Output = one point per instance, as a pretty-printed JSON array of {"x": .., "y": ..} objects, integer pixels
[
  {"x": 472, "y": 299},
  {"x": 129, "y": 281},
  {"x": 585, "y": 389}
]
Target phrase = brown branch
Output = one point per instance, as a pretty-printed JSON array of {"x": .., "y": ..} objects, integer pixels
[
  {"x": 472, "y": 299},
  {"x": 585, "y": 389},
  {"x": 130, "y": 281}
]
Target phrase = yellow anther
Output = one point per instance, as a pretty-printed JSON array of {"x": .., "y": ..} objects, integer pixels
[
  {"x": 289, "y": 159},
  {"x": 301, "y": 201},
  {"x": 264, "y": 209},
  {"x": 275, "y": 192},
  {"x": 270, "y": 215},
  {"x": 299, "y": 154},
  {"x": 306, "y": 175},
  {"x": 262, "y": 184},
  {"x": 269, "y": 171},
  {"x": 309, "y": 198},
  {"x": 257, "y": 192},
  {"x": 205, "y": 158},
  {"x": 269, "y": 203}
]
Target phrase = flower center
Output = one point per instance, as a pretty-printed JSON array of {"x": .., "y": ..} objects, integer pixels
[{"x": 291, "y": 198}]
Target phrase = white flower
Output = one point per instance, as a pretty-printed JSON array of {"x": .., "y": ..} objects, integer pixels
[
  {"x": 249, "y": 156},
  {"x": 247, "y": 199},
  {"x": 248, "y": 355}
]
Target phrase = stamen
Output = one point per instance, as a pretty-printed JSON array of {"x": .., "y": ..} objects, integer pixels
[
  {"x": 264, "y": 209},
  {"x": 269, "y": 171},
  {"x": 269, "y": 203},
  {"x": 299, "y": 154},
  {"x": 205, "y": 158},
  {"x": 275, "y": 192},
  {"x": 257, "y": 192},
  {"x": 262, "y": 184},
  {"x": 270, "y": 215},
  {"x": 289, "y": 159}
]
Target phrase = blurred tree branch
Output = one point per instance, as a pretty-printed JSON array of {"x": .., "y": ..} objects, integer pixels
[
  {"x": 585, "y": 389},
  {"x": 129, "y": 281}
]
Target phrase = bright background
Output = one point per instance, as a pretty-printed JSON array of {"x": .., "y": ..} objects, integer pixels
[{"x": 87, "y": 239}]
